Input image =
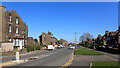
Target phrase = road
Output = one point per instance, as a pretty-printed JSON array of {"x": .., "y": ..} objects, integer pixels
[{"x": 57, "y": 57}]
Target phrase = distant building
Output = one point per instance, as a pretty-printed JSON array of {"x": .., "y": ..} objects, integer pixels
[
  {"x": 47, "y": 39},
  {"x": 63, "y": 42},
  {"x": 14, "y": 30},
  {"x": 35, "y": 42},
  {"x": 30, "y": 41}
]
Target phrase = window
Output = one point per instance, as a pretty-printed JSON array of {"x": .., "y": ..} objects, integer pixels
[
  {"x": 9, "y": 30},
  {"x": 44, "y": 35},
  {"x": 9, "y": 39},
  {"x": 17, "y": 30},
  {"x": 22, "y": 42},
  {"x": 17, "y": 20},
  {"x": 18, "y": 42},
  {"x": 10, "y": 17},
  {"x": 14, "y": 40},
  {"x": 23, "y": 32}
]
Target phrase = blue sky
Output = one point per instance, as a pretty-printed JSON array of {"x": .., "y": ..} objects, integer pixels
[{"x": 63, "y": 19}]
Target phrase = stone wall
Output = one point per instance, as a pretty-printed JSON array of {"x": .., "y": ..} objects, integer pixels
[{"x": 7, "y": 47}]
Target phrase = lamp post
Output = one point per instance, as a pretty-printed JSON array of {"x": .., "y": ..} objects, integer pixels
[
  {"x": 76, "y": 39},
  {"x": 34, "y": 40}
]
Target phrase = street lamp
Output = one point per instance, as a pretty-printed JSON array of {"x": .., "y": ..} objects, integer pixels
[
  {"x": 76, "y": 39},
  {"x": 34, "y": 41}
]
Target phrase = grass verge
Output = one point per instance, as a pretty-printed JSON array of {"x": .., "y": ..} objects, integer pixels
[
  {"x": 111, "y": 64},
  {"x": 81, "y": 48},
  {"x": 87, "y": 52}
]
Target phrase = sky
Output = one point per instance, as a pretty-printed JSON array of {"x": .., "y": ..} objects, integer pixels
[{"x": 63, "y": 19}]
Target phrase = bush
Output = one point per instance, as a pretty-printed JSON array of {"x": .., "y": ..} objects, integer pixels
[
  {"x": 30, "y": 48},
  {"x": 43, "y": 45},
  {"x": 96, "y": 46},
  {"x": 33, "y": 47},
  {"x": 37, "y": 47}
]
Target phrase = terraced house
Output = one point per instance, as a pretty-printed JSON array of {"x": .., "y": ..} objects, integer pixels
[{"x": 14, "y": 31}]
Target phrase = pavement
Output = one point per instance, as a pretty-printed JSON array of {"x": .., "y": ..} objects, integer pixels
[
  {"x": 56, "y": 58},
  {"x": 84, "y": 61},
  {"x": 22, "y": 56}
]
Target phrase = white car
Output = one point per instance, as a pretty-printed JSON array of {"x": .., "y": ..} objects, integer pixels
[
  {"x": 61, "y": 46},
  {"x": 72, "y": 47},
  {"x": 50, "y": 47}
]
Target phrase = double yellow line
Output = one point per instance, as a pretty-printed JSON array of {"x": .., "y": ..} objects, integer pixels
[
  {"x": 70, "y": 60},
  {"x": 5, "y": 64}
]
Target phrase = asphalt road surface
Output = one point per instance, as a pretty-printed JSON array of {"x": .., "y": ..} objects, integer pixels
[{"x": 57, "y": 57}]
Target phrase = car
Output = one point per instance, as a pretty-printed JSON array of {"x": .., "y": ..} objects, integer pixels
[
  {"x": 50, "y": 47},
  {"x": 72, "y": 47},
  {"x": 63, "y": 46},
  {"x": 59, "y": 46}
]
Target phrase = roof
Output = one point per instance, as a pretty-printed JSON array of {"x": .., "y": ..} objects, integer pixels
[
  {"x": 2, "y": 5},
  {"x": 113, "y": 33},
  {"x": 30, "y": 37}
]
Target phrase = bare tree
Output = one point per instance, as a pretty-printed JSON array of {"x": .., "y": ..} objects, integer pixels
[{"x": 85, "y": 36}]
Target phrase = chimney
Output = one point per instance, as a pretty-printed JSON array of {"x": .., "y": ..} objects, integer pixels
[
  {"x": 106, "y": 32},
  {"x": 2, "y": 7}
]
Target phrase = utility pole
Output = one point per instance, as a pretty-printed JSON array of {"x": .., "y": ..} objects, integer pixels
[{"x": 76, "y": 39}]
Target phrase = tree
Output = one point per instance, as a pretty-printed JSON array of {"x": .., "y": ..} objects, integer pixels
[{"x": 86, "y": 36}]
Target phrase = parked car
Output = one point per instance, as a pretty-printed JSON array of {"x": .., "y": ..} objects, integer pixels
[
  {"x": 50, "y": 47},
  {"x": 59, "y": 46},
  {"x": 63, "y": 46},
  {"x": 72, "y": 47}
]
